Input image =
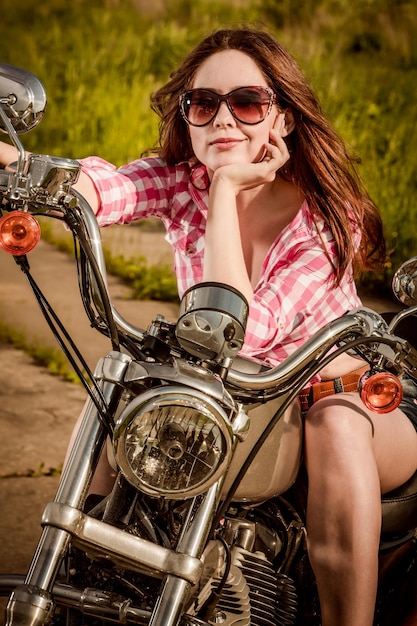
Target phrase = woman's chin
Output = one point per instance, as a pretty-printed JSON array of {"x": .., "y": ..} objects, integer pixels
[{"x": 228, "y": 159}]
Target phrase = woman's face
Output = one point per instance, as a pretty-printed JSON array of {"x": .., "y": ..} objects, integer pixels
[{"x": 225, "y": 140}]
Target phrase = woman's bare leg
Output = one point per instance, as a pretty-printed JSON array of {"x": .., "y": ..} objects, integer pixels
[
  {"x": 104, "y": 476},
  {"x": 351, "y": 455}
]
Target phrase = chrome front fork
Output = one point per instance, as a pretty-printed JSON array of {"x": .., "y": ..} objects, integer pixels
[
  {"x": 175, "y": 591},
  {"x": 32, "y": 604}
]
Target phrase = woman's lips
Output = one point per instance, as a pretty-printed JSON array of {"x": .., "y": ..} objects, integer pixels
[{"x": 226, "y": 144}]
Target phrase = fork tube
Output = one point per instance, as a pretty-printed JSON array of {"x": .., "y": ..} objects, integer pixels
[
  {"x": 174, "y": 593},
  {"x": 31, "y": 603},
  {"x": 72, "y": 490}
]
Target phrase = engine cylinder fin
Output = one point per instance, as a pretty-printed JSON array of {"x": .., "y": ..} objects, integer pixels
[
  {"x": 253, "y": 595},
  {"x": 287, "y": 600},
  {"x": 273, "y": 597},
  {"x": 234, "y": 605}
]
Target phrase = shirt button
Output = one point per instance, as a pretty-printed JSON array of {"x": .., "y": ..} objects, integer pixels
[{"x": 190, "y": 249}]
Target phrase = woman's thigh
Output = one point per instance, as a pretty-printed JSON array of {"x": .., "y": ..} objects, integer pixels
[{"x": 391, "y": 437}]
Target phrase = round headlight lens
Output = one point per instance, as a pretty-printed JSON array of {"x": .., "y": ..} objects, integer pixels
[{"x": 173, "y": 442}]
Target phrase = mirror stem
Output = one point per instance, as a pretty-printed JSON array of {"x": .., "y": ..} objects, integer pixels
[
  {"x": 15, "y": 139},
  {"x": 400, "y": 316}
]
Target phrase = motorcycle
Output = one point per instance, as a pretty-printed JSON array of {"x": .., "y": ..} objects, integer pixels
[{"x": 205, "y": 523}]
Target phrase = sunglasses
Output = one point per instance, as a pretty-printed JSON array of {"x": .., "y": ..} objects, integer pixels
[{"x": 248, "y": 105}]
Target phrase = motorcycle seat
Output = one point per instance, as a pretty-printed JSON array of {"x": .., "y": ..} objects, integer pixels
[{"x": 399, "y": 508}]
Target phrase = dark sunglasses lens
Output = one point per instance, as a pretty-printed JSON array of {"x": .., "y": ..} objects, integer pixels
[
  {"x": 199, "y": 106},
  {"x": 250, "y": 105}
]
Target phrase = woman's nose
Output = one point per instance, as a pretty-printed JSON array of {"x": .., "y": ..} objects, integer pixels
[{"x": 223, "y": 116}]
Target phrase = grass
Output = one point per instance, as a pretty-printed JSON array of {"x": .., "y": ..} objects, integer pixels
[
  {"x": 100, "y": 61},
  {"x": 145, "y": 281},
  {"x": 42, "y": 355},
  {"x": 40, "y": 472}
]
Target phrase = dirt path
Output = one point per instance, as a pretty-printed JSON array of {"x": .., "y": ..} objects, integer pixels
[{"x": 38, "y": 410}]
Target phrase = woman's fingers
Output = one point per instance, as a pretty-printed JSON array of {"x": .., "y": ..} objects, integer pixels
[{"x": 276, "y": 154}]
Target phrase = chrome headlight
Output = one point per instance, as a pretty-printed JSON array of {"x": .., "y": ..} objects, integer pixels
[{"x": 173, "y": 442}]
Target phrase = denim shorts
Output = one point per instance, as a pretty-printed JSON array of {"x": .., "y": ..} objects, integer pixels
[{"x": 408, "y": 404}]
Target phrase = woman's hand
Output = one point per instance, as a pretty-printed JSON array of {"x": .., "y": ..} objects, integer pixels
[
  {"x": 8, "y": 154},
  {"x": 84, "y": 185},
  {"x": 243, "y": 176}
]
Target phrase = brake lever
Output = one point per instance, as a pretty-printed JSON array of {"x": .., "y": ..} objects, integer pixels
[{"x": 396, "y": 353}]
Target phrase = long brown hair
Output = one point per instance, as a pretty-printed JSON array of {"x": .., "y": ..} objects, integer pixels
[{"x": 319, "y": 162}]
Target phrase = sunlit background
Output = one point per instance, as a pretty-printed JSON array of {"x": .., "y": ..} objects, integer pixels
[{"x": 100, "y": 61}]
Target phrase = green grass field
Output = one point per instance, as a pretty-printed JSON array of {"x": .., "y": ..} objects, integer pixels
[{"x": 100, "y": 61}]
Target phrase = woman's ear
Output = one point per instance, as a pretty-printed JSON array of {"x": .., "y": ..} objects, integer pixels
[{"x": 289, "y": 123}]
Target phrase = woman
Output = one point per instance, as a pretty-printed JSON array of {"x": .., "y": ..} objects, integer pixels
[{"x": 256, "y": 191}]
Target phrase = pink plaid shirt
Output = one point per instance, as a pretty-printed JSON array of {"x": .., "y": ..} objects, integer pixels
[{"x": 294, "y": 296}]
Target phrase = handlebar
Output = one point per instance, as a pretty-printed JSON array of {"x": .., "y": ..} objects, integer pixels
[
  {"x": 361, "y": 323},
  {"x": 93, "y": 232}
]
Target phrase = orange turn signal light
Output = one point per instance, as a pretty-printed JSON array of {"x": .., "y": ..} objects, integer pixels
[
  {"x": 380, "y": 392},
  {"x": 19, "y": 233}
]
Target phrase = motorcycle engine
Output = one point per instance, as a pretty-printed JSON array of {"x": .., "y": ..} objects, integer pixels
[{"x": 252, "y": 592}]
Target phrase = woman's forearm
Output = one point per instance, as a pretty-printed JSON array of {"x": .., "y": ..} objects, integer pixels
[
  {"x": 86, "y": 188},
  {"x": 223, "y": 255},
  {"x": 8, "y": 154},
  {"x": 84, "y": 185}
]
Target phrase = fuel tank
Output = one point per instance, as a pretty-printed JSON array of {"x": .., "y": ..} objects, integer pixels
[{"x": 276, "y": 465}]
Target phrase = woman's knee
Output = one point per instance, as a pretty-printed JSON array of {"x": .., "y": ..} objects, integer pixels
[
  {"x": 337, "y": 434},
  {"x": 339, "y": 415}
]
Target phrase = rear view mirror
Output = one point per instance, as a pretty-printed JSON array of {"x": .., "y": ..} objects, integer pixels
[
  {"x": 22, "y": 98},
  {"x": 404, "y": 284}
]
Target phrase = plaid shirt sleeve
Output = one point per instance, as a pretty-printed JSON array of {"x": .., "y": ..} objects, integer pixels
[{"x": 143, "y": 188}]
